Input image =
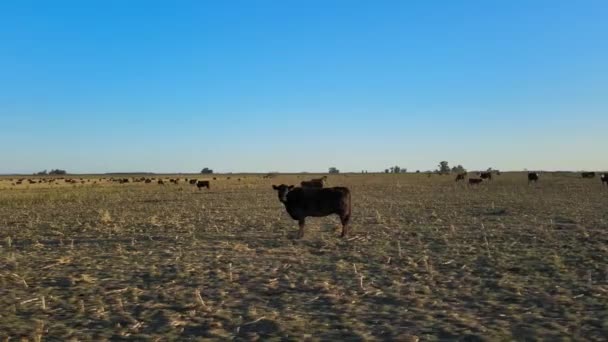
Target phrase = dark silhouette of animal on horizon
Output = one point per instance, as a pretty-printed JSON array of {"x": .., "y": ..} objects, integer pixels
[
  {"x": 203, "y": 184},
  {"x": 475, "y": 181},
  {"x": 485, "y": 175},
  {"x": 460, "y": 176},
  {"x": 604, "y": 178},
  {"x": 314, "y": 202},
  {"x": 588, "y": 174},
  {"x": 532, "y": 177}
]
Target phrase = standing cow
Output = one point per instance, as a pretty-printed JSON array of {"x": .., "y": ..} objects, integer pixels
[
  {"x": 588, "y": 174},
  {"x": 203, "y": 184},
  {"x": 461, "y": 176},
  {"x": 532, "y": 177},
  {"x": 485, "y": 175},
  {"x": 604, "y": 178},
  {"x": 314, "y": 202}
]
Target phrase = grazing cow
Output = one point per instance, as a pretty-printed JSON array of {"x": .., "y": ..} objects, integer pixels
[
  {"x": 475, "y": 181},
  {"x": 604, "y": 178},
  {"x": 202, "y": 184},
  {"x": 192, "y": 181},
  {"x": 160, "y": 182},
  {"x": 532, "y": 177},
  {"x": 148, "y": 181},
  {"x": 313, "y": 202},
  {"x": 588, "y": 174},
  {"x": 315, "y": 183},
  {"x": 461, "y": 176},
  {"x": 486, "y": 175}
]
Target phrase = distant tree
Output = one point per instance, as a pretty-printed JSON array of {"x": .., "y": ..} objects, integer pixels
[
  {"x": 489, "y": 169},
  {"x": 387, "y": 171},
  {"x": 459, "y": 169},
  {"x": 417, "y": 171},
  {"x": 58, "y": 172},
  {"x": 396, "y": 169},
  {"x": 206, "y": 171},
  {"x": 444, "y": 167},
  {"x": 404, "y": 170},
  {"x": 41, "y": 173},
  {"x": 333, "y": 170}
]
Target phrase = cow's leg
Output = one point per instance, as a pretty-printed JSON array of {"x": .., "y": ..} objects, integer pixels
[
  {"x": 301, "y": 231},
  {"x": 345, "y": 219}
]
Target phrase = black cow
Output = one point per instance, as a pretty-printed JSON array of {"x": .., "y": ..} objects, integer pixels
[
  {"x": 460, "y": 176},
  {"x": 604, "y": 178},
  {"x": 588, "y": 174},
  {"x": 202, "y": 184},
  {"x": 532, "y": 177},
  {"x": 315, "y": 183},
  {"x": 313, "y": 202},
  {"x": 475, "y": 181},
  {"x": 192, "y": 181},
  {"x": 485, "y": 175},
  {"x": 160, "y": 182}
]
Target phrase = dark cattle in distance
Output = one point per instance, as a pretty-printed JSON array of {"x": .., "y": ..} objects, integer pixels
[
  {"x": 588, "y": 174},
  {"x": 532, "y": 177},
  {"x": 202, "y": 184},
  {"x": 192, "y": 181},
  {"x": 313, "y": 202},
  {"x": 460, "y": 177},
  {"x": 312, "y": 184},
  {"x": 160, "y": 182},
  {"x": 148, "y": 181},
  {"x": 486, "y": 175},
  {"x": 322, "y": 179},
  {"x": 475, "y": 181},
  {"x": 604, "y": 178}
]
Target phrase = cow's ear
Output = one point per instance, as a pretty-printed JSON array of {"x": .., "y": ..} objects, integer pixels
[{"x": 290, "y": 187}]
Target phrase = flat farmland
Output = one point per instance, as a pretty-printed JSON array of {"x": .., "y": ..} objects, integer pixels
[{"x": 426, "y": 259}]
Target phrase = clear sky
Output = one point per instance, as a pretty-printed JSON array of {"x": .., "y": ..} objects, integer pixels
[{"x": 170, "y": 86}]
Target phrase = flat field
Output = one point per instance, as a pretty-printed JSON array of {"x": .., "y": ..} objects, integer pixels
[{"x": 427, "y": 259}]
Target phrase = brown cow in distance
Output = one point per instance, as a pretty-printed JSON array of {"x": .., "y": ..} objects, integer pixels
[
  {"x": 202, "y": 184},
  {"x": 312, "y": 184},
  {"x": 192, "y": 181},
  {"x": 461, "y": 176},
  {"x": 475, "y": 181},
  {"x": 313, "y": 202}
]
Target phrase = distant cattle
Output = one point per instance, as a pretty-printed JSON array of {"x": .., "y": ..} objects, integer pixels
[
  {"x": 313, "y": 202},
  {"x": 315, "y": 183},
  {"x": 532, "y": 177},
  {"x": 485, "y": 175},
  {"x": 148, "y": 181},
  {"x": 160, "y": 182},
  {"x": 475, "y": 181},
  {"x": 192, "y": 181},
  {"x": 604, "y": 178},
  {"x": 322, "y": 179},
  {"x": 461, "y": 176},
  {"x": 202, "y": 184},
  {"x": 588, "y": 174}
]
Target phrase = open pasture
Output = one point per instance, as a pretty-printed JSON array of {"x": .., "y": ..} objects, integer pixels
[{"x": 426, "y": 258}]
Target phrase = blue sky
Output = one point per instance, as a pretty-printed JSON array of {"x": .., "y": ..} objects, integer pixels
[{"x": 174, "y": 86}]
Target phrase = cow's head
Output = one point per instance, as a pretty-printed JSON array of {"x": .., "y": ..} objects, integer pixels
[{"x": 282, "y": 191}]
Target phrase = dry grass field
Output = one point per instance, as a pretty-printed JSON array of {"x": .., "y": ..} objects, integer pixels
[{"x": 427, "y": 259}]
